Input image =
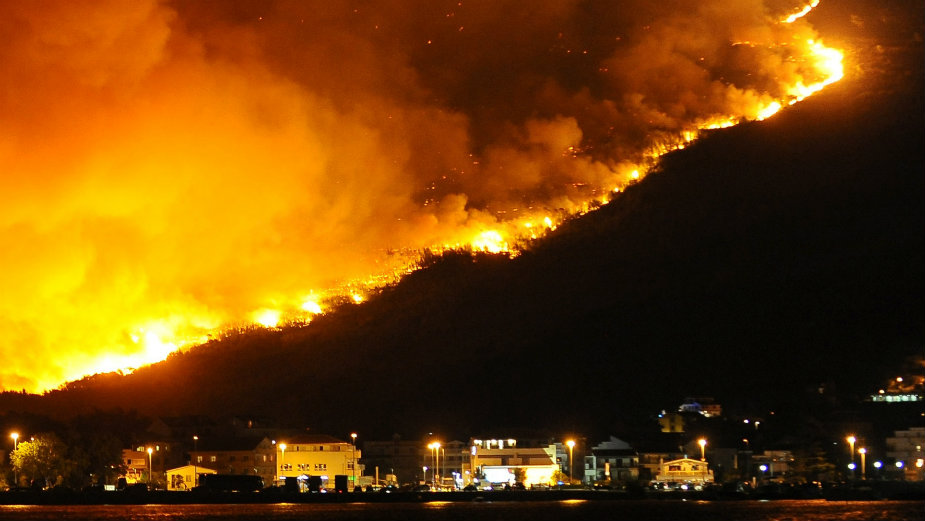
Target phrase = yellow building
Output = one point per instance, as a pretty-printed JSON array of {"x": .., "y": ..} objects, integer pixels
[
  {"x": 684, "y": 471},
  {"x": 320, "y": 455}
]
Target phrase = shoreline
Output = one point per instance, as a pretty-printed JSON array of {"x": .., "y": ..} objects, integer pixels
[{"x": 908, "y": 492}]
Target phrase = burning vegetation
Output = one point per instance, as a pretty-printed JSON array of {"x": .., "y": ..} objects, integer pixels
[{"x": 174, "y": 169}]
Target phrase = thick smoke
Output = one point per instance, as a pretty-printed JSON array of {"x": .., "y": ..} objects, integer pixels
[{"x": 167, "y": 168}]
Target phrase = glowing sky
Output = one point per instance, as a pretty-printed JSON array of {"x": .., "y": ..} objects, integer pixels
[{"x": 170, "y": 168}]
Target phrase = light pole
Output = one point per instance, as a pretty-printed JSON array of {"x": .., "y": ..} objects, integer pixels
[
  {"x": 282, "y": 461},
  {"x": 15, "y": 436},
  {"x": 851, "y": 439},
  {"x": 703, "y": 444},
  {"x": 195, "y": 470},
  {"x": 353, "y": 435},
  {"x": 863, "y": 452},
  {"x": 150, "y": 466},
  {"x": 571, "y": 446},
  {"x": 437, "y": 465}
]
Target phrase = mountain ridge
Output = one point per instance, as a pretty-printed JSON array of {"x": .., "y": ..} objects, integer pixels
[{"x": 754, "y": 265}]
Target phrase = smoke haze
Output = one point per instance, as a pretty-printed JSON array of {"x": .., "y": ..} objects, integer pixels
[{"x": 170, "y": 168}]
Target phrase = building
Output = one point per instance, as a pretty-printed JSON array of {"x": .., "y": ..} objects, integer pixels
[
  {"x": 307, "y": 455},
  {"x": 905, "y": 450},
  {"x": 612, "y": 460},
  {"x": 136, "y": 465},
  {"x": 185, "y": 477},
  {"x": 502, "y": 462},
  {"x": 401, "y": 461},
  {"x": 771, "y": 465},
  {"x": 230, "y": 455},
  {"x": 684, "y": 471}
]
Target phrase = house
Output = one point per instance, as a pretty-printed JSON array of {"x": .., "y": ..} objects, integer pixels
[
  {"x": 612, "y": 460},
  {"x": 237, "y": 455},
  {"x": 684, "y": 471},
  {"x": 185, "y": 477},
  {"x": 136, "y": 465},
  {"x": 506, "y": 463}
]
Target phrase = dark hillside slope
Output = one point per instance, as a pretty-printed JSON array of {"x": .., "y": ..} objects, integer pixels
[{"x": 760, "y": 262}]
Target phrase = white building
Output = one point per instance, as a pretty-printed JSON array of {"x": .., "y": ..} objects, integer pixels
[
  {"x": 502, "y": 462},
  {"x": 185, "y": 478},
  {"x": 905, "y": 448},
  {"x": 612, "y": 460}
]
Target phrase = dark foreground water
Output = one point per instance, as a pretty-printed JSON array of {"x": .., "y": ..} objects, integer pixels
[{"x": 811, "y": 510}]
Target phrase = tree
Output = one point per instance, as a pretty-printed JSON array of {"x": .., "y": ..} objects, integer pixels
[{"x": 42, "y": 460}]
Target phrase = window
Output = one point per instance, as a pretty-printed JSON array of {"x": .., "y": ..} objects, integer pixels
[
  {"x": 198, "y": 459},
  {"x": 212, "y": 459}
]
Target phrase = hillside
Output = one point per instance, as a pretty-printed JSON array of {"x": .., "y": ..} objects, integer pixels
[{"x": 757, "y": 264}]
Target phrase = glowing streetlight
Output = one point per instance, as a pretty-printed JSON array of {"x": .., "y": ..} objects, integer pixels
[
  {"x": 282, "y": 460},
  {"x": 851, "y": 439},
  {"x": 353, "y": 436},
  {"x": 703, "y": 444},
  {"x": 195, "y": 470},
  {"x": 437, "y": 464},
  {"x": 863, "y": 452},
  {"x": 150, "y": 465},
  {"x": 15, "y": 436},
  {"x": 571, "y": 447}
]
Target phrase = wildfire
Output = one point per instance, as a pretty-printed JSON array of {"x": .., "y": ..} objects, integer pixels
[
  {"x": 171, "y": 193},
  {"x": 801, "y": 13}
]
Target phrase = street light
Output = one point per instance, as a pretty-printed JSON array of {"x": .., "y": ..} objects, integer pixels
[
  {"x": 282, "y": 461},
  {"x": 437, "y": 464},
  {"x": 150, "y": 466},
  {"x": 195, "y": 470},
  {"x": 863, "y": 452},
  {"x": 851, "y": 439},
  {"x": 15, "y": 436},
  {"x": 703, "y": 443},
  {"x": 353, "y": 435},
  {"x": 571, "y": 446}
]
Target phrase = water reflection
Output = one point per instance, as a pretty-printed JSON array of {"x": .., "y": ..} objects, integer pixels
[{"x": 815, "y": 510}]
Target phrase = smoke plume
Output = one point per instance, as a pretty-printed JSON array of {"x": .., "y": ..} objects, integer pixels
[{"x": 170, "y": 168}]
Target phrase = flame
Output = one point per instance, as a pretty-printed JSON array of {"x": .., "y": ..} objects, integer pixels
[
  {"x": 801, "y": 13},
  {"x": 188, "y": 180},
  {"x": 268, "y": 318},
  {"x": 491, "y": 241},
  {"x": 313, "y": 307},
  {"x": 768, "y": 111}
]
